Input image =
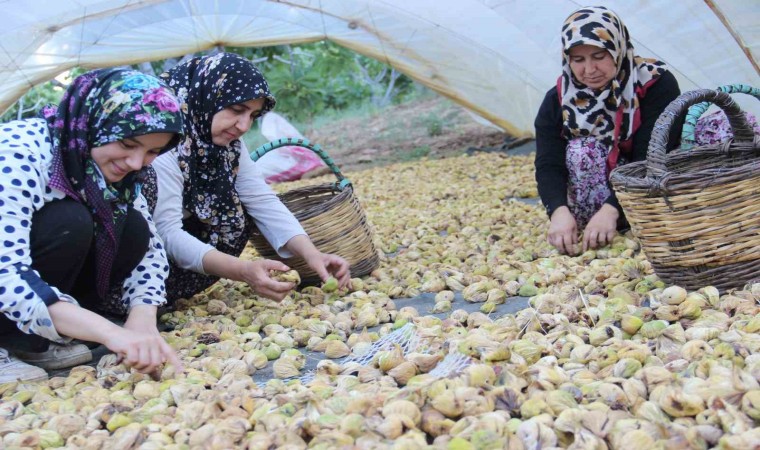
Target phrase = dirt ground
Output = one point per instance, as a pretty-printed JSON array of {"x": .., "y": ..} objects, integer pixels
[{"x": 432, "y": 127}]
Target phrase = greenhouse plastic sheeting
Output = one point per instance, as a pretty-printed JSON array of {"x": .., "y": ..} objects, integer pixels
[{"x": 495, "y": 57}]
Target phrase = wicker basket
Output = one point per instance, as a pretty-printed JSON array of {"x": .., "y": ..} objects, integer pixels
[
  {"x": 329, "y": 213},
  {"x": 697, "y": 212}
]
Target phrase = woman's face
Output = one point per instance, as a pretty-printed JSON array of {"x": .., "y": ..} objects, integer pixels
[
  {"x": 232, "y": 122},
  {"x": 592, "y": 66},
  {"x": 119, "y": 158}
]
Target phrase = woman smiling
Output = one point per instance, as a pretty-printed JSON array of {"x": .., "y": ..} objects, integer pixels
[{"x": 75, "y": 226}]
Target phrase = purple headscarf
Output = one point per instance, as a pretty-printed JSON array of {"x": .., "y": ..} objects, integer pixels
[{"x": 98, "y": 108}]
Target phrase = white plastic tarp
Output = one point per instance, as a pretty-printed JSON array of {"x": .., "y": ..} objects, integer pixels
[
  {"x": 495, "y": 57},
  {"x": 286, "y": 163}
]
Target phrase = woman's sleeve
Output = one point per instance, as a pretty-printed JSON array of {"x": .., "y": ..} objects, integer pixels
[
  {"x": 657, "y": 98},
  {"x": 551, "y": 171},
  {"x": 272, "y": 217},
  {"x": 146, "y": 284},
  {"x": 182, "y": 248},
  {"x": 24, "y": 296}
]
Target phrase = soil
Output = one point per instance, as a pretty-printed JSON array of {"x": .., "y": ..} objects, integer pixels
[{"x": 431, "y": 127}]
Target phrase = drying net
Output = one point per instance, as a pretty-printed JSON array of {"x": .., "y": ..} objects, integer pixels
[
  {"x": 405, "y": 337},
  {"x": 409, "y": 341},
  {"x": 452, "y": 364}
]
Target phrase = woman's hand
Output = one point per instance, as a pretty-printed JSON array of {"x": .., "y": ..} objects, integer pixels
[
  {"x": 256, "y": 274},
  {"x": 326, "y": 264},
  {"x": 140, "y": 344},
  {"x": 563, "y": 231},
  {"x": 601, "y": 228}
]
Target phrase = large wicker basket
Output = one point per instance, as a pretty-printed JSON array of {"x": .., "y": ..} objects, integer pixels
[
  {"x": 697, "y": 212},
  {"x": 330, "y": 214}
]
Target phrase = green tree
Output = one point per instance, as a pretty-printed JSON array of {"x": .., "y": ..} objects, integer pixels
[
  {"x": 310, "y": 78},
  {"x": 30, "y": 104},
  {"x": 306, "y": 79}
]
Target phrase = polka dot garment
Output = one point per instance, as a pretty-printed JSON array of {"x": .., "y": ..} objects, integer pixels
[
  {"x": 205, "y": 86},
  {"x": 26, "y": 160}
]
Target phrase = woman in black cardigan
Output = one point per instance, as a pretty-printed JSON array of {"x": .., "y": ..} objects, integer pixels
[{"x": 599, "y": 115}]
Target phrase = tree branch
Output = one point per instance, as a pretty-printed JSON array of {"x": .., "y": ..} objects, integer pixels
[
  {"x": 147, "y": 68},
  {"x": 379, "y": 77},
  {"x": 292, "y": 61},
  {"x": 281, "y": 59},
  {"x": 363, "y": 70},
  {"x": 20, "y": 104},
  {"x": 186, "y": 58},
  {"x": 389, "y": 92},
  {"x": 168, "y": 64}
]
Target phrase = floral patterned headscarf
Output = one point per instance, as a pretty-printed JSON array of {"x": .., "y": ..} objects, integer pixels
[
  {"x": 98, "y": 108},
  {"x": 607, "y": 114},
  {"x": 205, "y": 86}
]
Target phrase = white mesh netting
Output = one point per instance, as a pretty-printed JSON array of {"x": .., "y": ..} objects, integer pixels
[
  {"x": 452, "y": 364},
  {"x": 405, "y": 337},
  {"x": 409, "y": 341}
]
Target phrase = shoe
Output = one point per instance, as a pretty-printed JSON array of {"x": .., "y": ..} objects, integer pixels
[
  {"x": 12, "y": 370},
  {"x": 57, "y": 356}
]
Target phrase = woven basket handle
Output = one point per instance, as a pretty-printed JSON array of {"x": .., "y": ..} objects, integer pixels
[
  {"x": 656, "y": 157},
  {"x": 285, "y": 142},
  {"x": 688, "y": 136}
]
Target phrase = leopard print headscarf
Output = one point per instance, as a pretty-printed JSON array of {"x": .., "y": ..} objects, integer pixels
[{"x": 606, "y": 114}]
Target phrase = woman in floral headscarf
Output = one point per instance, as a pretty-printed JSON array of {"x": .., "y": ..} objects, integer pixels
[
  {"x": 209, "y": 192},
  {"x": 75, "y": 225},
  {"x": 599, "y": 115}
]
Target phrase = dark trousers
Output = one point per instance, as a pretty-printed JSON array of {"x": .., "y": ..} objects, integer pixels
[
  {"x": 183, "y": 283},
  {"x": 62, "y": 245}
]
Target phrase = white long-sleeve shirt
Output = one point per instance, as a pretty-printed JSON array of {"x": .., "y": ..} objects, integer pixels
[
  {"x": 25, "y": 160},
  {"x": 274, "y": 220}
]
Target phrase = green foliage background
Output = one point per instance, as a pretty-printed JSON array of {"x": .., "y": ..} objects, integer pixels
[{"x": 308, "y": 80}]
